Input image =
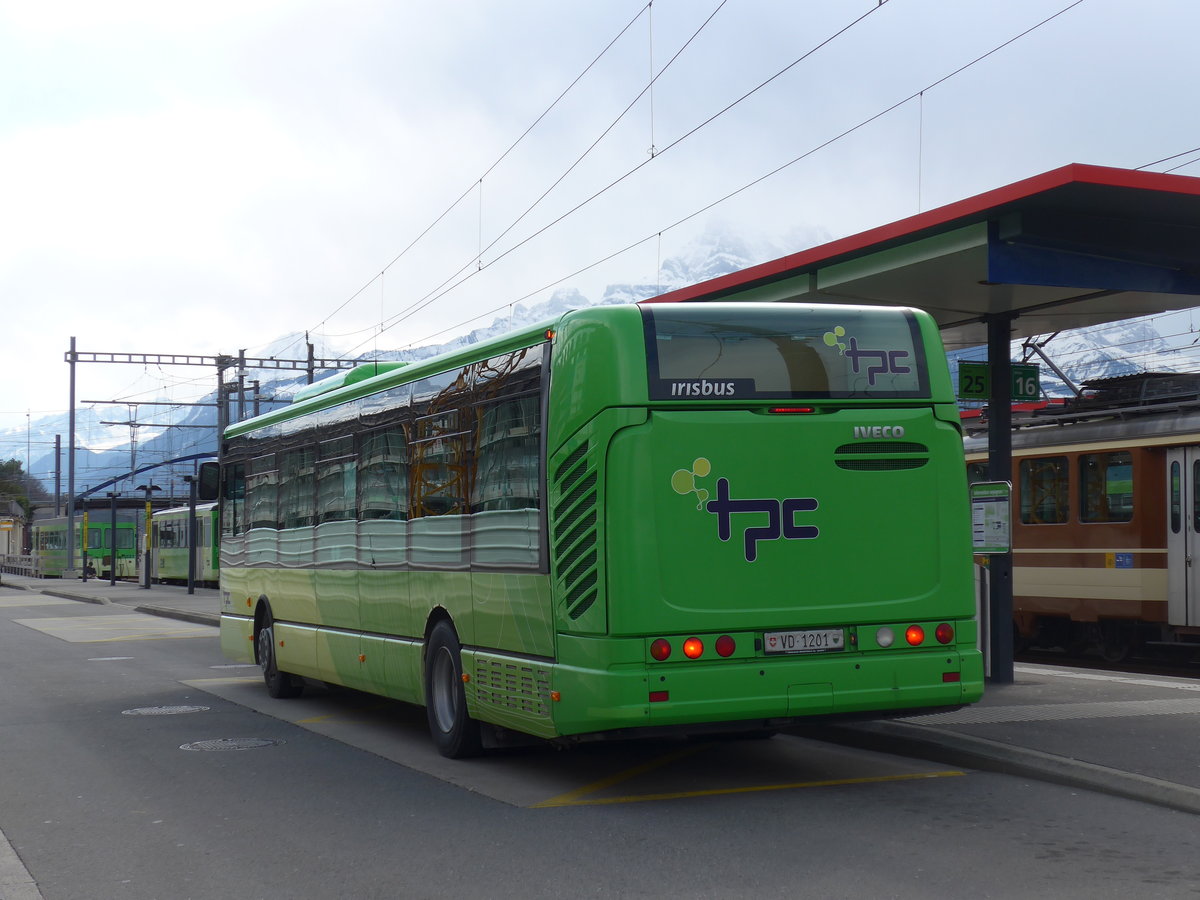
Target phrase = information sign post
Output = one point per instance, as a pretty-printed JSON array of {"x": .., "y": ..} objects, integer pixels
[{"x": 991, "y": 517}]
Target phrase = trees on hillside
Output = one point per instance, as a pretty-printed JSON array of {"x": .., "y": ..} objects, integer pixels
[{"x": 15, "y": 485}]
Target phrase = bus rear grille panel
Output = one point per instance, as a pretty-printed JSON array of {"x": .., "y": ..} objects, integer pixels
[
  {"x": 574, "y": 531},
  {"x": 881, "y": 456}
]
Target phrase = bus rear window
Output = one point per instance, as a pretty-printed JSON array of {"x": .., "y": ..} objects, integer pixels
[{"x": 735, "y": 351}]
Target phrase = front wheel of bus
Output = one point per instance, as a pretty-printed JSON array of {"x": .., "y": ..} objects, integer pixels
[
  {"x": 279, "y": 684},
  {"x": 454, "y": 732}
]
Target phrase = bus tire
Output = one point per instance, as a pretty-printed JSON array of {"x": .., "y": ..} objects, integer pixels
[
  {"x": 455, "y": 734},
  {"x": 280, "y": 685}
]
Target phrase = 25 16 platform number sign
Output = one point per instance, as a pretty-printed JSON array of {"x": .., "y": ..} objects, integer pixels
[{"x": 974, "y": 381}]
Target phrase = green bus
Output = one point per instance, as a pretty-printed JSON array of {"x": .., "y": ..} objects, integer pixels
[
  {"x": 49, "y": 543},
  {"x": 634, "y": 520},
  {"x": 171, "y": 539}
]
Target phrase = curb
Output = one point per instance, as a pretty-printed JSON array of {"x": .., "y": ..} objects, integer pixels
[
  {"x": 944, "y": 746},
  {"x": 64, "y": 595},
  {"x": 181, "y": 614}
]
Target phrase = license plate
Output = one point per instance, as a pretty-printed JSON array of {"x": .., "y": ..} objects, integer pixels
[{"x": 815, "y": 640}]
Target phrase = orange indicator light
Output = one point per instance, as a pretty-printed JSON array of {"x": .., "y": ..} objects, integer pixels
[
  {"x": 914, "y": 635},
  {"x": 465, "y": 677},
  {"x": 281, "y": 643},
  {"x": 555, "y": 696},
  {"x": 693, "y": 648},
  {"x": 362, "y": 657}
]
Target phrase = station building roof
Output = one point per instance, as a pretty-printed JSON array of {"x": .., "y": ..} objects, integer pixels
[{"x": 1077, "y": 246}]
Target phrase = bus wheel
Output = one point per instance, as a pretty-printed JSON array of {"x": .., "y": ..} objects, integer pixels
[
  {"x": 455, "y": 734},
  {"x": 279, "y": 684}
]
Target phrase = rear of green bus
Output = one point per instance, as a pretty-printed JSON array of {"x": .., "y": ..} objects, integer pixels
[{"x": 757, "y": 513}]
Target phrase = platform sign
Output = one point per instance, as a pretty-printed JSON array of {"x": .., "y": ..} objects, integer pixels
[
  {"x": 991, "y": 517},
  {"x": 975, "y": 381}
]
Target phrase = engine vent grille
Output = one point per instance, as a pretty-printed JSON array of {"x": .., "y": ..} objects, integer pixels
[
  {"x": 881, "y": 456},
  {"x": 574, "y": 531},
  {"x": 513, "y": 686}
]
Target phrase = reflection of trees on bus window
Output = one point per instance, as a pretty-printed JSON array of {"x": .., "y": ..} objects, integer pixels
[
  {"x": 1106, "y": 487},
  {"x": 261, "y": 483},
  {"x": 297, "y": 477},
  {"x": 1044, "y": 490},
  {"x": 382, "y": 481},
  {"x": 336, "y": 480}
]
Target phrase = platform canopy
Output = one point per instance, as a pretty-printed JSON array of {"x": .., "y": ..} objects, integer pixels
[{"x": 1078, "y": 246}]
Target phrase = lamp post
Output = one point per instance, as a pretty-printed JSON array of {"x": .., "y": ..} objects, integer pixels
[
  {"x": 191, "y": 483},
  {"x": 112, "y": 540},
  {"x": 148, "y": 488}
]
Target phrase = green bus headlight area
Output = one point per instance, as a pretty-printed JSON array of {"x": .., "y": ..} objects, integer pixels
[{"x": 629, "y": 519}]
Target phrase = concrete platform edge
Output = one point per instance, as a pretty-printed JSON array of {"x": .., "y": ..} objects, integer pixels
[{"x": 941, "y": 745}]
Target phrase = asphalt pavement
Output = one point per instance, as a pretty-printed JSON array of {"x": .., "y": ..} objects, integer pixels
[{"x": 1128, "y": 735}]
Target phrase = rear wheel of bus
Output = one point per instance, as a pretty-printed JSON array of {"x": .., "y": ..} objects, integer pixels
[{"x": 455, "y": 733}]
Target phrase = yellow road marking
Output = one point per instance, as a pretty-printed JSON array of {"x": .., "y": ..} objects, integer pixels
[
  {"x": 569, "y": 798},
  {"x": 572, "y": 798}
]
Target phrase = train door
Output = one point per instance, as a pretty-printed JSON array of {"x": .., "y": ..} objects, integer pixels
[{"x": 1183, "y": 536}]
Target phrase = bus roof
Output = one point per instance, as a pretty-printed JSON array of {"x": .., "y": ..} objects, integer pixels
[{"x": 513, "y": 340}]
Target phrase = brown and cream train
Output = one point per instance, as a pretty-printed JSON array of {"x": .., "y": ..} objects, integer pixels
[{"x": 1106, "y": 517}]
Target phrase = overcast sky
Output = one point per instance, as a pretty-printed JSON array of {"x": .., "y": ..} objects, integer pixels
[{"x": 203, "y": 178}]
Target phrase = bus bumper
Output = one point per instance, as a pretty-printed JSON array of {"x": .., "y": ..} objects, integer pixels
[{"x": 688, "y": 693}]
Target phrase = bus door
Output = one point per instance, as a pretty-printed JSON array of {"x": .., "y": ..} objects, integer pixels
[{"x": 1183, "y": 536}]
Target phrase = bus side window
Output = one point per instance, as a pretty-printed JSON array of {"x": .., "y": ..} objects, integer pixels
[{"x": 233, "y": 507}]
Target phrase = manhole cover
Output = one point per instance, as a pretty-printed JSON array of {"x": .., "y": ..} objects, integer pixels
[
  {"x": 229, "y": 744},
  {"x": 163, "y": 710}
]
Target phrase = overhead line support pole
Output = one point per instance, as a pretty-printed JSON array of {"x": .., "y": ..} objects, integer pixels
[{"x": 1000, "y": 469}]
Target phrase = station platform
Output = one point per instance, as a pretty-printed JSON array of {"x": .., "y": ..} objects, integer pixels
[{"x": 1127, "y": 735}]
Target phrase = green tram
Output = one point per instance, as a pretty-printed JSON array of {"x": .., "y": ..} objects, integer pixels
[
  {"x": 49, "y": 543},
  {"x": 171, "y": 538},
  {"x": 665, "y": 518}
]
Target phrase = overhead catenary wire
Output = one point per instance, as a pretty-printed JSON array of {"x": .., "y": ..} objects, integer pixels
[
  {"x": 466, "y": 193},
  {"x": 477, "y": 261},
  {"x": 443, "y": 290}
]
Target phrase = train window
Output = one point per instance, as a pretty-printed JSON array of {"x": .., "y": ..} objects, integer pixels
[
  {"x": 1176, "y": 500},
  {"x": 1044, "y": 490},
  {"x": 1106, "y": 487},
  {"x": 1196, "y": 496}
]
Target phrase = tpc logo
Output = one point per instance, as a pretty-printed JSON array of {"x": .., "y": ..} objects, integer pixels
[{"x": 781, "y": 514}]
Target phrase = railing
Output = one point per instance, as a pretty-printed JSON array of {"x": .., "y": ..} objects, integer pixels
[{"x": 16, "y": 565}]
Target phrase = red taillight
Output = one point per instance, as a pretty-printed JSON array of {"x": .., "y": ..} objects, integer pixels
[
  {"x": 915, "y": 635},
  {"x": 951, "y": 677},
  {"x": 659, "y": 696},
  {"x": 793, "y": 410},
  {"x": 944, "y": 633},
  {"x": 693, "y": 648},
  {"x": 725, "y": 645},
  {"x": 660, "y": 649}
]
